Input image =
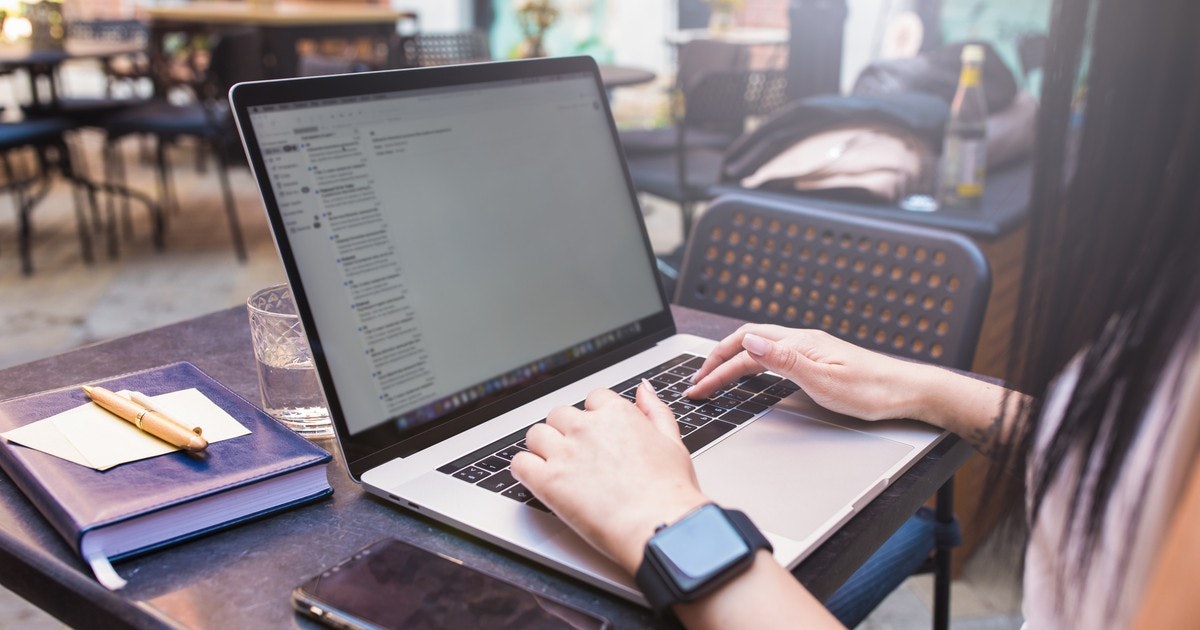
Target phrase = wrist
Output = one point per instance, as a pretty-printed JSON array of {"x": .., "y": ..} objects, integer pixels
[{"x": 630, "y": 545}]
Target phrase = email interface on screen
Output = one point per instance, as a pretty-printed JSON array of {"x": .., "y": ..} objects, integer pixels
[{"x": 455, "y": 242}]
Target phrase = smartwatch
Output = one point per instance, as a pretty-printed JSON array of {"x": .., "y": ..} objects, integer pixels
[{"x": 690, "y": 558}]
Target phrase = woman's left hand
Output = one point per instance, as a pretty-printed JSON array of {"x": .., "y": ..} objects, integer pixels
[{"x": 612, "y": 472}]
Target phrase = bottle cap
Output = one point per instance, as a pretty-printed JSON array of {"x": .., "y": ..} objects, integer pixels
[{"x": 972, "y": 53}]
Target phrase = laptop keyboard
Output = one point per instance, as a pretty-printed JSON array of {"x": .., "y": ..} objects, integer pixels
[{"x": 700, "y": 421}]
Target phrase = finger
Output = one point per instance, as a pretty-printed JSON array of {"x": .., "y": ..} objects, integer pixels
[
  {"x": 529, "y": 469},
  {"x": 741, "y": 365},
  {"x": 780, "y": 358},
  {"x": 731, "y": 346},
  {"x": 544, "y": 440},
  {"x": 725, "y": 350},
  {"x": 600, "y": 397},
  {"x": 656, "y": 410},
  {"x": 565, "y": 419}
]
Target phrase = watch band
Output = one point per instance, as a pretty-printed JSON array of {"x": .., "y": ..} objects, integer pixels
[{"x": 657, "y": 588}]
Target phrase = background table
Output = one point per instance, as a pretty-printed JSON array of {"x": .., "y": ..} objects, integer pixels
[
  {"x": 45, "y": 63},
  {"x": 242, "y": 577},
  {"x": 282, "y": 25}
]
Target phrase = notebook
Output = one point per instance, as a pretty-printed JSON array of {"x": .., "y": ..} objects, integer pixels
[
  {"x": 147, "y": 504},
  {"x": 467, "y": 252}
]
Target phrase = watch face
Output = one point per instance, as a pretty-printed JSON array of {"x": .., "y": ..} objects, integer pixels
[{"x": 699, "y": 547}]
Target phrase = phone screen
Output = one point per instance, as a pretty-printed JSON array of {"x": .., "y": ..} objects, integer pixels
[{"x": 392, "y": 584}]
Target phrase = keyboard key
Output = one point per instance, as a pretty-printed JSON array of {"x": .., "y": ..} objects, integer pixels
[
  {"x": 681, "y": 372},
  {"x": 705, "y": 435},
  {"x": 753, "y": 407},
  {"x": 766, "y": 399},
  {"x": 660, "y": 384},
  {"x": 580, "y": 405},
  {"x": 498, "y": 482},
  {"x": 758, "y": 382},
  {"x": 539, "y": 505},
  {"x": 471, "y": 474},
  {"x": 518, "y": 493},
  {"x": 682, "y": 406},
  {"x": 782, "y": 389},
  {"x": 509, "y": 452},
  {"x": 493, "y": 464},
  {"x": 483, "y": 452},
  {"x": 694, "y": 363},
  {"x": 736, "y": 394},
  {"x": 626, "y": 384},
  {"x": 725, "y": 401},
  {"x": 685, "y": 428},
  {"x": 737, "y": 416},
  {"x": 711, "y": 410}
]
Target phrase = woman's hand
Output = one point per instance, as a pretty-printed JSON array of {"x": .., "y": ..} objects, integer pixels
[
  {"x": 838, "y": 375},
  {"x": 613, "y": 472},
  {"x": 845, "y": 378}
]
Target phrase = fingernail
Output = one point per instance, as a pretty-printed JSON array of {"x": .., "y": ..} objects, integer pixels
[
  {"x": 648, "y": 386},
  {"x": 756, "y": 345}
]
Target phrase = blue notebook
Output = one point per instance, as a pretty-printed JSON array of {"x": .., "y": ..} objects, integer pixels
[{"x": 147, "y": 504}]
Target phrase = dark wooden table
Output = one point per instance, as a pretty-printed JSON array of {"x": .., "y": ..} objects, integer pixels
[
  {"x": 282, "y": 25},
  {"x": 41, "y": 66},
  {"x": 242, "y": 577}
]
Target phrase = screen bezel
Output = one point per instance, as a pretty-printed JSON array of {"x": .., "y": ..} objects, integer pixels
[{"x": 378, "y": 445}]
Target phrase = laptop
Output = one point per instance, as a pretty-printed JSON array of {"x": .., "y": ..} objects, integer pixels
[{"x": 467, "y": 252}]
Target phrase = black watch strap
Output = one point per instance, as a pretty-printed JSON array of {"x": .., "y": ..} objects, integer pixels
[{"x": 655, "y": 587}]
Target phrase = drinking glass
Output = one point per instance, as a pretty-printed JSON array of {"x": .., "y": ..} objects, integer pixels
[{"x": 291, "y": 391}]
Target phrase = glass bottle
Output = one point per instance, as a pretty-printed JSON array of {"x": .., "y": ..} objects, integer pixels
[{"x": 964, "y": 150}]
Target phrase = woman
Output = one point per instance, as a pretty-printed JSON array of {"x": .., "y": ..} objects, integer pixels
[{"x": 1111, "y": 305}]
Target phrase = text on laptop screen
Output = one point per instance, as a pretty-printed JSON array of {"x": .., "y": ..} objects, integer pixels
[{"x": 453, "y": 242}]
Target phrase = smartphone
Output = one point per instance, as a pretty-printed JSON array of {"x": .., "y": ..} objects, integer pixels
[{"x": 393, "y": 584}]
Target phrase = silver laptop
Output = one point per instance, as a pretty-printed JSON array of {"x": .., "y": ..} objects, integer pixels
[{"x": 467, "y": 253}]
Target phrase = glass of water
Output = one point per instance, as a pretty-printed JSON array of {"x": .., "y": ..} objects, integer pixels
[{"x": 291, "y": 391}]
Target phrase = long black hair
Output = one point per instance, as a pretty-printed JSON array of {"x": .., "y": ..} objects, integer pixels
[{"x": 1113, "y": 266}]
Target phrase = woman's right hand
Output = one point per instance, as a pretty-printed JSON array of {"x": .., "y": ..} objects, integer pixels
[{"x": 838, "y": 375}]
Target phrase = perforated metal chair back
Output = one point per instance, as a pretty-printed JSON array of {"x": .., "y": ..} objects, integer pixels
[
  {"x": 723, "y": 100},
  {"x": 906, "y": 290},
  {"x": 442, "y": 49}
]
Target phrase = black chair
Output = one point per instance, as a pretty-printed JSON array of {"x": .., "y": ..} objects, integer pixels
[
  {"x": 695, "y": 59},
  {"x": 906, "y": 290},
  {"x": 717, "y": 105},
  {"x": 46, "y": 138},
  {"x": 132, "y": 70},
  {"x": 206, "y": 120},
  {"x": 422, "y": 50}
]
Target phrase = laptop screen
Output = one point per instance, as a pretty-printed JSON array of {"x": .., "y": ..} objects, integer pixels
[{"x": 453, "y": 244}]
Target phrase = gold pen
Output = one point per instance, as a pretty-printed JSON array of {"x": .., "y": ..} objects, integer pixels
[
  {"x": 144, "y": 400},
  {"x": 146, "y": 419}
]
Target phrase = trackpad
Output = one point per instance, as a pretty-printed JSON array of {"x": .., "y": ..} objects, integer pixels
[{"x": 792, "y": 473}]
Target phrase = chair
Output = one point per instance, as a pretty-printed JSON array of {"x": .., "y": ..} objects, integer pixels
[
  {"x": 910, "y": 291},
  {"x": 45, "y": 136},
  {"x": 207, "y": 120},
  {"x": 126, "y": 70},
  {"x": 696, "y": 58},
  {"x": 422, "y": 50},
  {"x": 717, "y": 103}
]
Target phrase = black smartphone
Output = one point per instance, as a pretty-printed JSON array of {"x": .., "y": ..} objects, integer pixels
[{"x": 393, "y": 584}]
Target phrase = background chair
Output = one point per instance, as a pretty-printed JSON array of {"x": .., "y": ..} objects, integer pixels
[
  {"x": 45, "y": 137},
  {"x": 695, "y": 59},
  {"x": 909, "y": 291},
  {"x": 206, "y": 120},
  {"x": 713, "y": 111},
  {"x": 442, "y": 49}
]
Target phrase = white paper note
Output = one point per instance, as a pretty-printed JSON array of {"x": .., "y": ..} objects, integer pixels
[{"x": 91, "y": 436}]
